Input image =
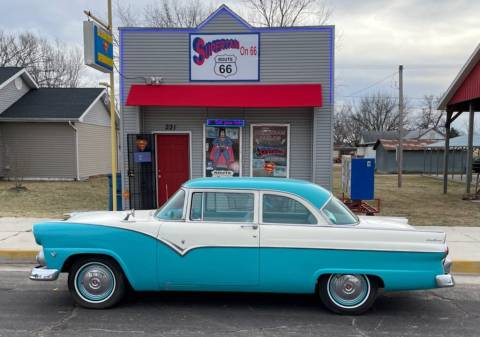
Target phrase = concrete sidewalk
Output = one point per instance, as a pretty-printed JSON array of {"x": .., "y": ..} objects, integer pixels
[{"x": 17, "y": 244}]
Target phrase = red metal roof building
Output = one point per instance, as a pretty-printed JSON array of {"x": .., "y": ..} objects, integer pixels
[{"x": 463, "y": 95}]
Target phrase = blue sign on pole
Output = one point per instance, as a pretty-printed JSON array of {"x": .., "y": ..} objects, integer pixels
[{"x": 98, "y": 47}]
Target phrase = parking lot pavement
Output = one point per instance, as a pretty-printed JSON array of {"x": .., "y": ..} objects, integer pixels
[{"x": 29, "y": 308}]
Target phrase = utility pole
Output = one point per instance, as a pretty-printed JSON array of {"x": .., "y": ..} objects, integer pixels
[
  {"x": 113, "y": 129},
  {"x": 113, "y": 115},
  {"x": 400, "y": 125}
]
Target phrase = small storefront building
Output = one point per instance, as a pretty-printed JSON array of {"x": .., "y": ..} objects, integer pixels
[{"x": 224, "y": 99}]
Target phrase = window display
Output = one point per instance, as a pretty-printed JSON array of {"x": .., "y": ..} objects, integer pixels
[
  {"x": 222, "y": 151},
  {"x": 270, "y": 150}
]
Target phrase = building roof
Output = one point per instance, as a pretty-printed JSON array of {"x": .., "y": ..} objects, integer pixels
[
  {"x": 52, "y": 104},
  {"x": 460, "y": 141},
  {"x": 371, "y": 137},
  {"x": 315, "y": 194},
  {"x": 8, "y": 72},
  {"x": 466, "y": 85},
  {"x": 408, "y": 144},
  {"x": 414, "y": 134}
]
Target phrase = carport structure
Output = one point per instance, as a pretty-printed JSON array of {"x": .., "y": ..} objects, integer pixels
[{"x": 463, "y": 95}]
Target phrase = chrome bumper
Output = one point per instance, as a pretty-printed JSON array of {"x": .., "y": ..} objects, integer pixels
[
  {"x": 41, "y": 273},
  {"x": 444, "y": 281}
]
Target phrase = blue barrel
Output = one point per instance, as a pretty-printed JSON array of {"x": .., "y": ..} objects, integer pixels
[{"x": 119, "y": 192}]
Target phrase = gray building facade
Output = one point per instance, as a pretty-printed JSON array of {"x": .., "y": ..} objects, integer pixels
[{"x": 260, "y": 135}]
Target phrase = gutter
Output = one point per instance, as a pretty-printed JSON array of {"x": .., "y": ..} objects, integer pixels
[{"x": 76, "y": 149}]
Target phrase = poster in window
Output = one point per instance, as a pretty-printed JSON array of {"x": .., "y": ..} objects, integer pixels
[
  {"x": 270, "y": 151},
  {"x": 222, "y": 152}
]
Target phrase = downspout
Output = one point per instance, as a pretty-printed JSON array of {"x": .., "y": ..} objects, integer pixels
[{"x": 76, "y": 148}]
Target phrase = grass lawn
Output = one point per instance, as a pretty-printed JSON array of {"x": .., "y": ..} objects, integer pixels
[
  {"x": 421, "y": 200},
  {"x": 53, "y": 198}
]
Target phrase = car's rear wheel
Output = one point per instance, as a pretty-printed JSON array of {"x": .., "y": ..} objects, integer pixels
[
  {"x": 350, "y": 294},
  {"x": 96, "y": 282}
]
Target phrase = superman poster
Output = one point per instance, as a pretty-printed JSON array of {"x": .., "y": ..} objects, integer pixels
[
  {"x": 222, "y": 152},
  {"x": 270, "y": 150}
]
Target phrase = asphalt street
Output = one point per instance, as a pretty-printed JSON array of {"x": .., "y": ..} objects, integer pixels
[{"x": 29, "y": 308}]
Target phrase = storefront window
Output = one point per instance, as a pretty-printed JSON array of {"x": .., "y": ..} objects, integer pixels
[
  {"x": 222, "y": 151},
  {"x": 270, "y": 145}
]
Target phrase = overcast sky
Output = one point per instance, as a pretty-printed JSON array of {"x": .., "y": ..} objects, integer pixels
[{"x": 431, "y": 38}]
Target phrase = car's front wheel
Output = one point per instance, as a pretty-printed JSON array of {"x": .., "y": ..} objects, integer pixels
[
  {"x": 96, "y": 282},
  {"x": 350, "y": 294}
]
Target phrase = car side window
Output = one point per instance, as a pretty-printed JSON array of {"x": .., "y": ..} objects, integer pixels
[
  {"x": 222, "y": 206},
  {"x": 285, "y": 210},
  {"x": 173, "y": 208},
  {"x": 196, "y": 208}
]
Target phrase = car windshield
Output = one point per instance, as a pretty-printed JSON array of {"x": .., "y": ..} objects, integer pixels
[
  {"x": 338, "y": 213},
  {"x": 173, "y": 208}
]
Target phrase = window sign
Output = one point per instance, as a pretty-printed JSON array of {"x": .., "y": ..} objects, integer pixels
[
  {"x": 224, "y": 57},
  {"x": 270, "y": 150},
  {"x": 222, "y": 151},
  {"x": 226, "y": 122}
]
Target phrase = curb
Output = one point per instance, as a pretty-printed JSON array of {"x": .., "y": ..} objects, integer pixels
[
  {"x": 18, "y": 255},
  {"x": 28, "y": 256},
  {"x": 466, "y": 267}
]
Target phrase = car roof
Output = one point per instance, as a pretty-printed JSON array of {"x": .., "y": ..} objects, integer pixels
[{"x": 313, "y": 193}]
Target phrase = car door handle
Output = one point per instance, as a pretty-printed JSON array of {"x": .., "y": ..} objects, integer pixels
[{"x": 249, "y": 226}]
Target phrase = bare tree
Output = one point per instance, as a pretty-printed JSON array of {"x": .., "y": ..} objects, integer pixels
[
  {"x": 166, "y": 13},
  {"x": 51, "y": 64},
  {"x": 430, "y": 117},
  {"x": 287, "y": 13},
  {"x": 346, "y": 131},
  {"x": 378, "y": 112}
]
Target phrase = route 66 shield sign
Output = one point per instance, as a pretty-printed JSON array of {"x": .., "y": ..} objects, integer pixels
[{"x": 225, "y": 65}]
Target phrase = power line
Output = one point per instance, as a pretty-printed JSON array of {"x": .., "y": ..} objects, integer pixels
[{"x": 373, "y": 84}]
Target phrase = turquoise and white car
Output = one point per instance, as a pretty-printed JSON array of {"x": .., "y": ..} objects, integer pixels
[{"x": 242, "y": 234}]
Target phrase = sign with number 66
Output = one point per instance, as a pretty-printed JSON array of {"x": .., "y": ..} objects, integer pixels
[
  {"x": 224, "y": 57},
  {"x": 225, "y": 65}
]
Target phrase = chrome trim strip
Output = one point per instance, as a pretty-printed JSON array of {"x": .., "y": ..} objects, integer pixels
[
  {"x": 40, "y": 258},
  {"x": 447, "y": 265},
  {"x": 43, "y": 274},
  {"x": 444, "y": 281}
]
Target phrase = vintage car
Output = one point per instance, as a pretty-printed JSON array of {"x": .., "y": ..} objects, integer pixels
[{"x": 243, "y": 235}]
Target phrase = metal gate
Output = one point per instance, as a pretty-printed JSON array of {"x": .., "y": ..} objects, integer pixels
[{"x": 141, "y": 171}]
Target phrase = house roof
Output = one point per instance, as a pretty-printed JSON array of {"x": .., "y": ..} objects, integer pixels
[
  {"x": 408, "y": 144},
  {"x": 52, "y": 104},
  {"x": 413, "y": 134},
  {"x": 371, "y": 137},
  {"x": 7, "y": 72},
  {"x": 469, "y": 73},
  {"x": 460, "y": 141}
]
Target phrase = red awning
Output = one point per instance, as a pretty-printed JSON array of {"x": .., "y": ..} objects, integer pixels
[{"x": 223, "y": 96}]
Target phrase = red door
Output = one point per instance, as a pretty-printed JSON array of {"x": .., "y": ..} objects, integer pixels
[{"x": 173, "y": 164}]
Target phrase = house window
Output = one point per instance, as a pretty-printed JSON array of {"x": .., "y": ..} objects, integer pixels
[{"x": 270, "y": 145}]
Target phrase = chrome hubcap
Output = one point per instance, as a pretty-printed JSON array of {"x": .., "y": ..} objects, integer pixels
[
  {"x": 95, "y": 282},
  {"x": 348, "y": 290}
]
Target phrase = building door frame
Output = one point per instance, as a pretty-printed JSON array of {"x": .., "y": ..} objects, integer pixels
[{"x": 189, "y": 134}]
